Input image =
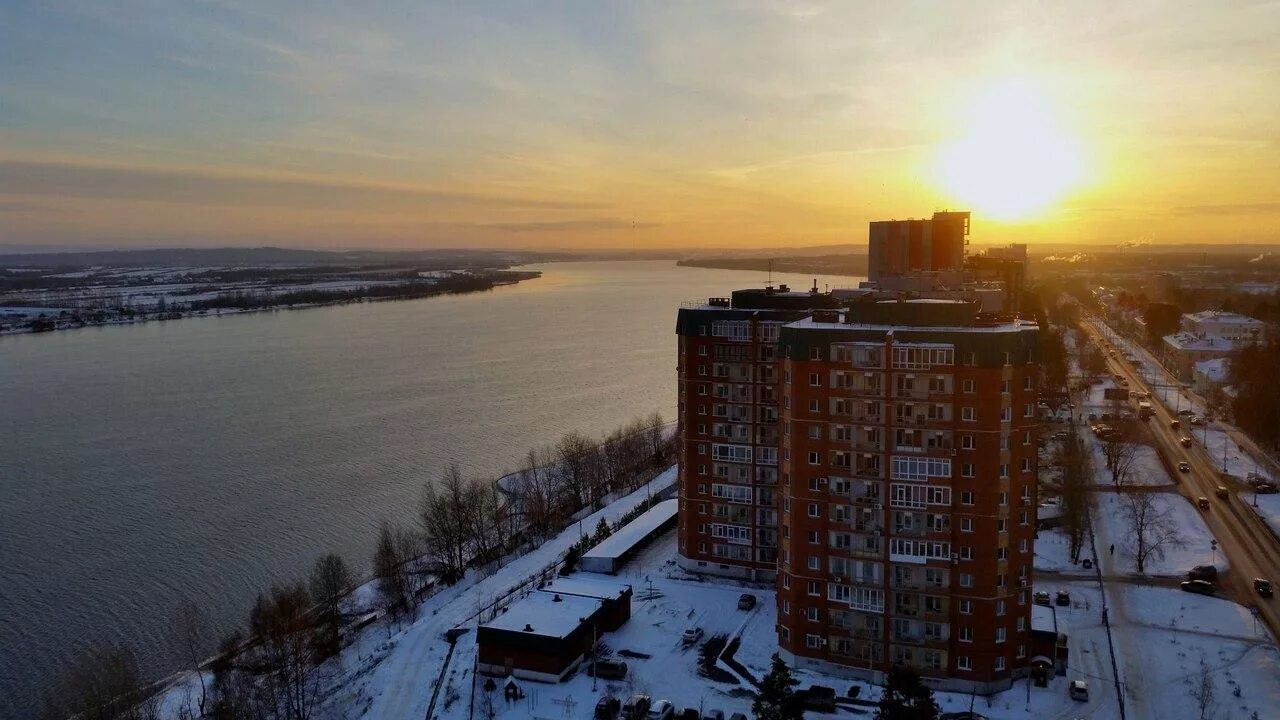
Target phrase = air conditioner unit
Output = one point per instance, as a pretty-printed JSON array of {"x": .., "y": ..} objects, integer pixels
[{"x": 955, "y": 559}]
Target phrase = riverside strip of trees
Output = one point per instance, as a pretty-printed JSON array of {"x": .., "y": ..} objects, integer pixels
[{"x": 273, "y": 669}]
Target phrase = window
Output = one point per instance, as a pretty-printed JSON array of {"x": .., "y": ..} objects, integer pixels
[
  {"x": 966, "y": 607},
  {"x": 1028, "y": 410},
  {"x": 1004, "y": 387},
  {"x": 1026, "y": 437},
  {"x": 966, "y": 497},
  {"x": 966, "y": 634},
  {"x": 1004, "y": 441},
  {"x": 999, "y": 663},
  {"x": 813, "y": 538},
  {"x": 813, "y": 510},
  {"x": 815, "y": 432},
  {"x": 811, "y": 614},
  {"x": 702, "y": 350},
  {"x": 966, "y": 580},
  {"x": 966, "y": 552},
  {"x": 814, "y": 563},
  {"x": 815, "y": 406},
  {"x": 920, "y": 468},
  {"x": 786, "y": 582},
  {"x": 966, "y": 414},
  {"x": 966, "y": 524},
  {"x": 966, "y": 442},
  {"x": 814, "y": 380},
  {"x": 1004, "y": 470},
  {"x": 1026, "y": 464},
  {"x": 811, "y": 641},
  {"x": 815, "y": 458},
  {"x": 907, "y": 357},
  {"x": 967, "y": 386},
  {"x": 702, "y": 469},
  {"x": 1028, "y": 383},
  {"x": 966, "y": 470},
  {"x": 962, "y": 662},
  {"x": 815, "y": 353},
  {"x": 812, "y": 588},
  {"x": 1006, "y": 415},
  {"x": 1022, "y": 624}
]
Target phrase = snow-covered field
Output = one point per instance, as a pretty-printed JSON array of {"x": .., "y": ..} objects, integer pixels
[{"x": 1112, "y": 527}]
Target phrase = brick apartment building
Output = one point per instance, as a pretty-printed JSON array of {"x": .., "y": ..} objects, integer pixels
[{"x": 878, "y": 463}]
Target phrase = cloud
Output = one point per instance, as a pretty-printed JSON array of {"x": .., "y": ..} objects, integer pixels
[
  {"x": 125, "y": 183},
  {"x": 1257, "y": 208},
  {"x": 585, "y": 225}
]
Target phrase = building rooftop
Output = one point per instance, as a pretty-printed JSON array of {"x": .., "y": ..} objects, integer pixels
[
  {"x": 1215, "y": 370},
  {"x": 1200, "y": 342},
  {"x": 592, "y": 586},
  {"x": 625, "y": 537},
  {"x": 1220, "y": 316},
  {"x": 545, "y": 614}
]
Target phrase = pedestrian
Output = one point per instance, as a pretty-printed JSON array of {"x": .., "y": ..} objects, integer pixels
[{"x": 1113, "y": 549}]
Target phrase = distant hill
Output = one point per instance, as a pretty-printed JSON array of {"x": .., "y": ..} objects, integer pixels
[{"x": 261, "y": 256}]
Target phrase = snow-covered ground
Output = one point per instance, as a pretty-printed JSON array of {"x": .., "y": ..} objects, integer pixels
[
  {"x": 1052, "y": 554},
  {"x": 1112, "y": 527}
]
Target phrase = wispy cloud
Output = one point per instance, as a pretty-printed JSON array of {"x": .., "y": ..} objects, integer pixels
[
  {"x": 585, "y": 225},
  {"x": 1251, "y": 208}
]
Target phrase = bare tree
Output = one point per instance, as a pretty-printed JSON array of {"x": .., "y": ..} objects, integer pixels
[
  {"x": 329, "y": 581},
  {"x": 572, "y": 453},
  {"x": 444, "y": 516},
  {"x": 1120, "y": 448},
  {"x": 286, "y": 650},
  {"x": 192, "y": 632},
  {"x": 388, "y": 568},
  {"x": 655, "y": 437},
  {"x": 1151, "y": 531},
  {"x": 1203, "y": 692},
  {"x": 101, "y": 683},
  {"x": 1076, "y": 470}
]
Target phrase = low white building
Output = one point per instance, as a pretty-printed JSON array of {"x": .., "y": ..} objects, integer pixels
[
  {"x": 1208, "y": 376},
  {"x": 1228, "y": 325}
]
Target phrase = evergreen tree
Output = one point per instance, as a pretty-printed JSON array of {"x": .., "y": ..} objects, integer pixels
[
  {"x": 905, "y": 697},
  {"x": 777, "y": 700}
]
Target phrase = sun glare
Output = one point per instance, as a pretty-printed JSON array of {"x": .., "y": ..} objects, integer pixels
[{"x": 1015, "y": 159}]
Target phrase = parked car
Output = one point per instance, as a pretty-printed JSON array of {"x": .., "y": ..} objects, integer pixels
[
  {"x": 1184, "y": 467},
  {"x": 1175, "y": 424},
  {"x": 713, "y": 715},
  {"x": 746, "y": 601},
  {"x": 1079, "y": 690},
  {"x": 1264, "y": 488},
  {"x": 737, "y": 716},
  {"x": 820, "y": 698},
  {"x": 691, "y": 636},
  {"x": 690, "y": 713},
  {"x": 1262, "y": 587},
  {"x": 608, "y": 669},
  {"x": 963, "y": 715},
  {"x": 636, "y": 707},
  {"x": 1221, "y": 491},
  {"x": 1062, "y": 599},
  {"x": 1208, "y": 573},
  {"x": 1199, "y": 587},
  {"x": 1186, "y": 412},
  {"x": 1197, "y": 420},
  {"x": 1041, "y": 598},
  {"x": 662, "y": 710},
  {"x": 1202, "y": 503},
  {"x": 1186, "y": 441},
  {"x": 607, "y": 708}
]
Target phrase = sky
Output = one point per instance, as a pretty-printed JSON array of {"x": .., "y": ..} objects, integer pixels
[{"x": 413, "y": 124}]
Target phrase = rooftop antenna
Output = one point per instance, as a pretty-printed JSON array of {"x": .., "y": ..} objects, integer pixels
[{"x": 769, "y": 282}]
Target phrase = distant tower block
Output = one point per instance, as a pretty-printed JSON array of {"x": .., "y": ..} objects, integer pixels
[{"x": 902, "y": 247}]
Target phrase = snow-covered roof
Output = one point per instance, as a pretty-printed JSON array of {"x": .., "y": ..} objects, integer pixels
[
  {"x": 626, "y": 537},
  {"x": 811, "y": 324},
  {"x": 1193, "y": 341},
  {"x": 1042, "y": 618},
  {"x": 1220, "y": 316},
  {"x": 1215, "y": 370},
  {"x": 547, "y": 614},
  {"x": 588, "y": 586}
]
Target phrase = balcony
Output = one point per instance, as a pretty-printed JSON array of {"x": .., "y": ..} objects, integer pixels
[
  {"x": 870, "y": 392},
  {"x": 875, "y": 473},
  {"x": 867, "y": 446}
]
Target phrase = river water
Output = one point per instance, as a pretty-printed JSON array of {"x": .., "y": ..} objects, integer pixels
[{"x": 213, "y": 456}]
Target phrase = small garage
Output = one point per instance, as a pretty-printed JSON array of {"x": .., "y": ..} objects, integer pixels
[{"x": 542, "y": 636}]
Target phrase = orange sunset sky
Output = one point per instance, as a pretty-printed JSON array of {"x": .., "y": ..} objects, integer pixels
[{"x": 411, "y": 124}]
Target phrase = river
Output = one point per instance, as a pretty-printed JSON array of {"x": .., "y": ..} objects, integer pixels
[{"x": 213, "y": 456}]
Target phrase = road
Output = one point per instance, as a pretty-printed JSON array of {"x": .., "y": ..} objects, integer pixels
[{"x": 1248, "y": 544}]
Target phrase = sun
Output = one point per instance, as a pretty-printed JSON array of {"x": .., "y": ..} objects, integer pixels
[{"x": 1015, "y": 160}]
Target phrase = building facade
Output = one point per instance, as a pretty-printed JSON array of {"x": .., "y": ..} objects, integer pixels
[
  {"x": 896, "y": 510},
  {"x": 904, "y": 247}
]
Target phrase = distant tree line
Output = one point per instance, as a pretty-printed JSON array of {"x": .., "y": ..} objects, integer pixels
[{"x": 271, "y": 669}]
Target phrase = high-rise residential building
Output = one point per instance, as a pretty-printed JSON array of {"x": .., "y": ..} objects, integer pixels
[
  {"x": 878, "y": 463},
  {"x": 729, "y": 401},
  {"x": 907, "y": 247}
]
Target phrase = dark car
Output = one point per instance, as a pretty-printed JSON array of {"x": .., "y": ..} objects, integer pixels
[
  {"x": 1208, "y": 573},
  {"x": 1184, "y": 467},
  {"x": 1264, "y": 488},
  {"x": 690, "y": 713},
  {"x": 746, "y": 601},
  {"x": 608, "y": 669},
  {"x": 1041, "y": 597},
  {"x": 1199, "y": 587},
  {"x": 607, "y": 708},
  {"x": 965, "y": 715},
  {"x": 1063, "y": 599},
  {"x": 1202, "y": 503},
  {"x": 1262, "y": 587}
]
